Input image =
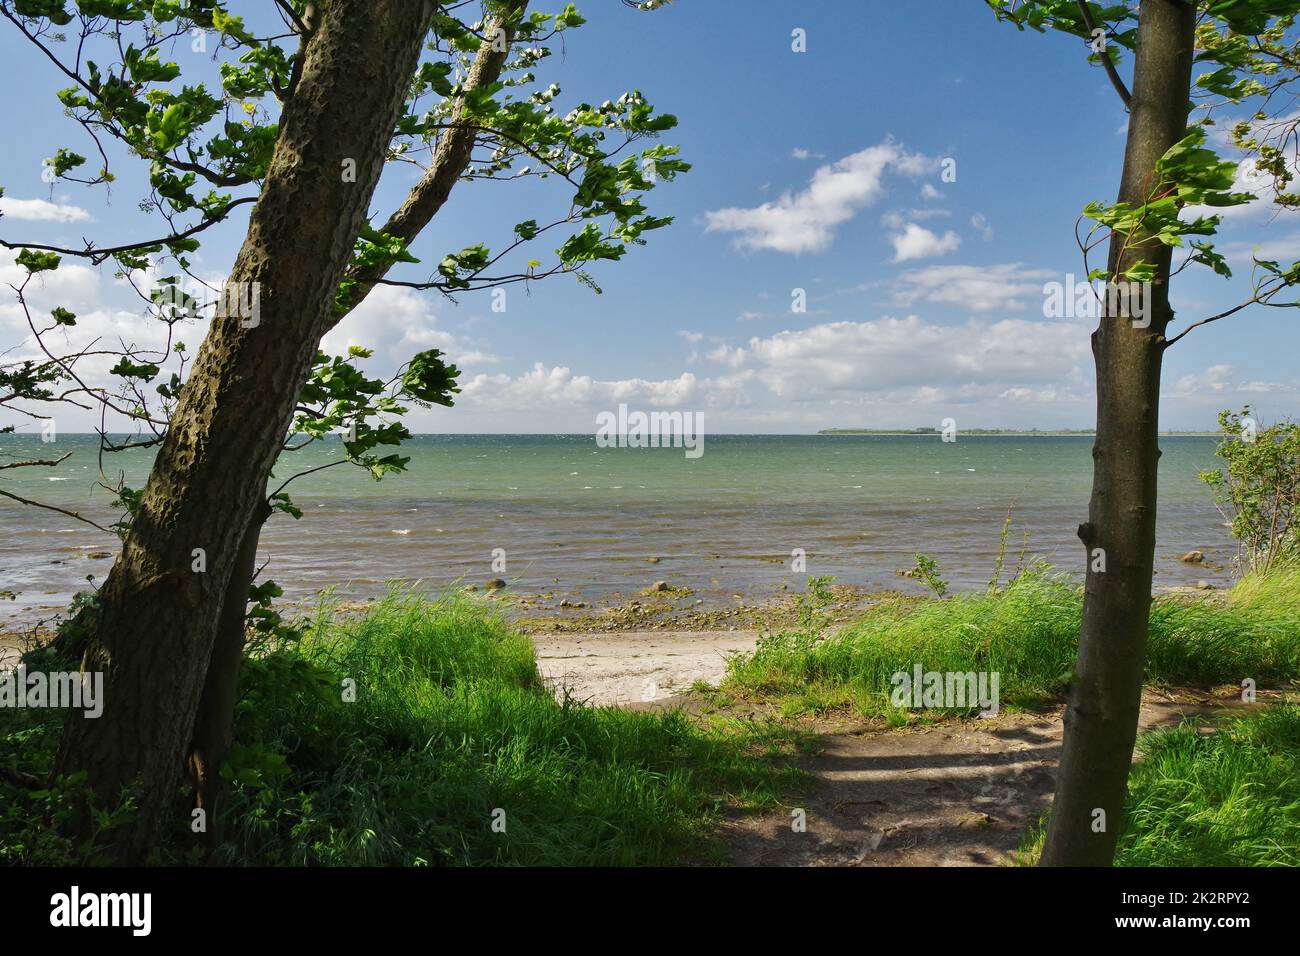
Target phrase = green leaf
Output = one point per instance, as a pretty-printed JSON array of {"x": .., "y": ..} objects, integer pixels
[
  {"x": 37, "y": 261},
  {"x": 128, "y": 369}
]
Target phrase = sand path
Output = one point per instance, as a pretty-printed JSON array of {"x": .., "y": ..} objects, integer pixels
[
  {"x": 636, "y": 667},
  {"x": 959, "y": 793}
]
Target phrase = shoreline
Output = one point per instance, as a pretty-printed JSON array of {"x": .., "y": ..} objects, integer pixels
[{"x": 642, "y": 650}]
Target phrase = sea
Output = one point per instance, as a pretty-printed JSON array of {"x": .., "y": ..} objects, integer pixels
[{"x": 559, "y": 514}]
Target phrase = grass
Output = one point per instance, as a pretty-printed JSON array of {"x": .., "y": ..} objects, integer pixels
[
  {"x": 453, "y": 753},
  {"x": 1230, "y": 798},
  {"x": 420, "y": 734},
  {"x": 1028, "y": 633}
]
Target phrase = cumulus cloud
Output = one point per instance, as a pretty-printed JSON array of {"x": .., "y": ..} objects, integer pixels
[
  {"x": 888, "y": 354},
  {"x": 1006, "y": 287},
  {"x": 898, "y": 218},
  {"x": 1222, "y": 385},
  {"x": 1249, "y": 178},
  {"x": 559, "y": 386},
  {"x": 396, "y": 323},
  {"x": 72, "y": 286},
  {"x": 889, "y": 365},
  {"x": 917, "y": 242},
  {"x": 39, "y": 210},
  {"x": 806, "y": 221}
]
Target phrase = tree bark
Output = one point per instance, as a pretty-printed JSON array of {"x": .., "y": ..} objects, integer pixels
[
  {"x": 158, "y": 612},
  {"x": 1102, "y": 716},
  {"x": 214, "y": 724},
  {"x": 215, "y": 721}
]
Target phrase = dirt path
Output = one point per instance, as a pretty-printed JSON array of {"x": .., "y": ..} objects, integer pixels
[
  {"x": 960, "y": 794},
  {"x": 955, "y": 794}
]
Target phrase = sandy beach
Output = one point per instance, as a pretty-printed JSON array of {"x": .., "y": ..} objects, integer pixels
[{"x": 634, "y": 667}]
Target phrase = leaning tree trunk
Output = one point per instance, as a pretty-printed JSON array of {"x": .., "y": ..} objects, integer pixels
[
  {"x": 1102, "y": 716},
  {"x": 214, "y": 722},
  {"x": 160, "y": 606}
]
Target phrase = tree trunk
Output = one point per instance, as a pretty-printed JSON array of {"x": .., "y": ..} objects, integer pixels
[
  {"x": 160, "y": 606},
  {"x": 215, "y": 720},
  {"x": 1102, "y": 716}
]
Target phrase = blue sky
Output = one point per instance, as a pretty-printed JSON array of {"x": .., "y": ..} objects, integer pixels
[{"x": 819, "y": 171}]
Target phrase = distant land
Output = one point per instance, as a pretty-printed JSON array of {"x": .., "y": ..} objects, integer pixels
[{"x": 1016, "y": 432}]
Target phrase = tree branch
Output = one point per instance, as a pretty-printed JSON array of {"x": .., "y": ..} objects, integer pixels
[
  {"x": 1106, "y": 61},
  {"x": 70, "y": 514},
  {"x": 452, "y": 156}
]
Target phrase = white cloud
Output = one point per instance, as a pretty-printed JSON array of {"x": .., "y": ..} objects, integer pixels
[
  {"x": 71, "y": 285},
  {"x": 892, "y": 354},
  {"x": 887, "y": 366},
  {"x": 396, "y": 323},
  {"x": 728, "y": 355},
  {"x": 898, "y": 218},
  {"x": 1283, "y": 249},
  {"x": 980, "y": 223},
  {"x": 917, "y": 242},
  {"x": 929, "y": 192},
  {"x": 559, "y": 386},
  {"x": 39, "y": 210},
  {"x": 806, "y": 221},
  {"x": 1221, "y": 386},
  {"x": 974, "y": 288},
  {"x": 1248, "y": 177}
]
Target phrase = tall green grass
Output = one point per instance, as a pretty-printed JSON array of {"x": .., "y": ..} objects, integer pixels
[
  {"x": 1227, "y": 798},
  {"x": 1028, "y": 633},
  {"x": 450, "y": 732},
  {"x": 1231, "y": 798}
]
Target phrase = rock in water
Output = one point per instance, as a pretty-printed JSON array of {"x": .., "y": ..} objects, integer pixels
[{"x": 1193, "y": 557}]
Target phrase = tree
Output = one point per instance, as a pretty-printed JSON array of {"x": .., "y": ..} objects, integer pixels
[
  {"x": 1259, "y": 489},
  {"x": 1167, "y": 172},
  {"x": 351, "y": 100}
]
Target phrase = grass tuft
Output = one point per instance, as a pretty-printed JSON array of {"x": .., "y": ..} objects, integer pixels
[
  {"x": 452, "y": 731},
  {"x": 1227, "y": 798},
  {"x": 1028, "y": 633}
]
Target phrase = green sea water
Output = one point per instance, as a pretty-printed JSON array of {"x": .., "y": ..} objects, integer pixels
[{"x": 584, "y": 521}]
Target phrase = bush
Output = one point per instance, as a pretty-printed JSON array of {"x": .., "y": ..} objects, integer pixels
[{"x": 1260, "y": 490}]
